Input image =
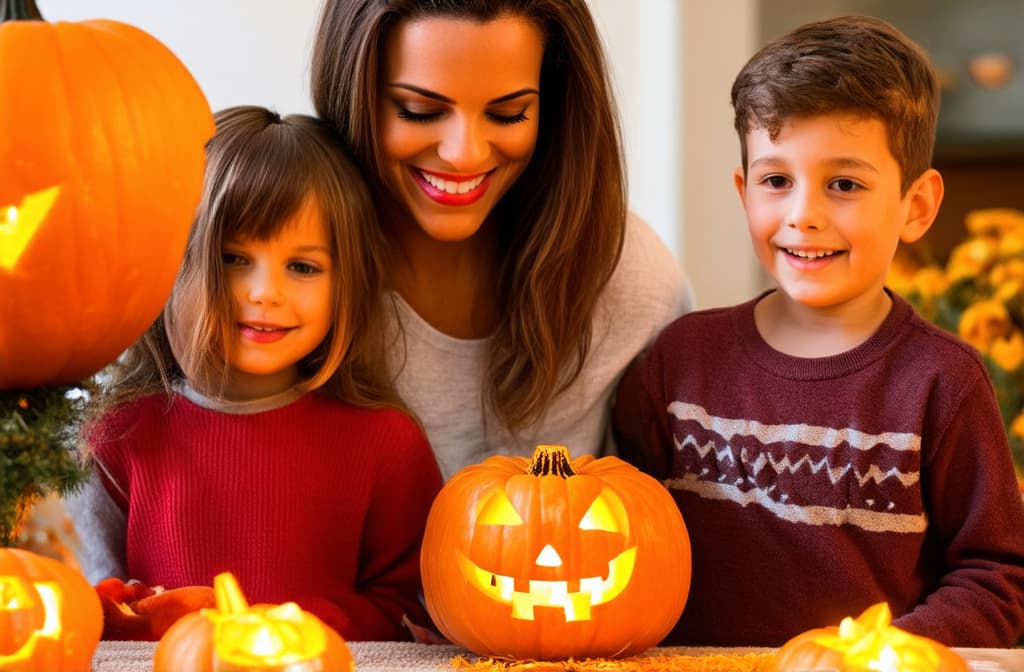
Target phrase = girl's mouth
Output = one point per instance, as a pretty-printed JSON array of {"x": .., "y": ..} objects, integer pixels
[{"x": 263, "y": 334}]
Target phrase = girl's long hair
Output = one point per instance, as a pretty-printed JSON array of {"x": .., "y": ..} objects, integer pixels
[
  {"x": 561, "y": 226},
  {"x": 261, "y": 168}
]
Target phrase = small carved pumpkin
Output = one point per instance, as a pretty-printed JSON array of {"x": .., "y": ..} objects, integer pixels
[
  {"x": 866, "y": 643},
  {"x": 102, "y": 134},
  {"x": 554, "y": 558},
  {"x": 235, "y": 636},
  {"x": 50, "y": 617}
]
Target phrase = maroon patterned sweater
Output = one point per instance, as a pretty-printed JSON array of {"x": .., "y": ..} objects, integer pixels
[
  {"x": 316, "y": 502},
  {"x": 814, "y": 488}
]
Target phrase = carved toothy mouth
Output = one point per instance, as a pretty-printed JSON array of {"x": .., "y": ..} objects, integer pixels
[{"x": 593, "y": 590}]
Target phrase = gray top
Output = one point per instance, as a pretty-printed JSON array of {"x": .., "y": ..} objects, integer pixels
[{"x": 440, "y": 377}]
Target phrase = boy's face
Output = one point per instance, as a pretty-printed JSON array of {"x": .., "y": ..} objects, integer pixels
[{"x": 824, "y": 207}]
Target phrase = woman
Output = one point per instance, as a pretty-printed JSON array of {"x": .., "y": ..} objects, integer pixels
[{"x": 520, "y": 288}]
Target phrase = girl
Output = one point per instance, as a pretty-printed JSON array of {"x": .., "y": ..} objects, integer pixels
[
  {"x": 519, "y": 287},
  {"x": 250, "y": 429}
]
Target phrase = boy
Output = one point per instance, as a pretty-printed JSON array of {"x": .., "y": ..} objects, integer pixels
[{"x": 828, "y": 448}]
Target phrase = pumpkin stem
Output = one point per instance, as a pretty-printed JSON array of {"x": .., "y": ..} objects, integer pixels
[
  {"x": 228, "y": 594},
  {"x": 19, "y": 10},
  {"x": 551, "y": 461}
]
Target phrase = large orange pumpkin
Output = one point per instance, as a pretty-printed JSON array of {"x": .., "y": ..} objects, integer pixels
[
  {"x": 552, "y": 558},
  {"x": 50, "y": 617},
  {"x": 102, "y": 134},
  {"x": 866, "y": 643},
  {"x": 235, "y": 636}
]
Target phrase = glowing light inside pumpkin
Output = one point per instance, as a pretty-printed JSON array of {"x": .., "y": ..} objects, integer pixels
[
  {"x": 14, "y": 595},
  {"x": 869, "y": 642},
  {"x": 261, "y": 638},
  {"x": 606, "y": 513},
  {"x": 19, "y": 223}
]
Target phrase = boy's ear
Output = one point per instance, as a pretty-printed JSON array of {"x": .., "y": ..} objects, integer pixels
[
  {"x": 925, "y": 196},
  {"x": 739, "y": 179}
]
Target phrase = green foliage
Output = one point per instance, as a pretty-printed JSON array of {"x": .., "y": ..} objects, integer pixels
[{"x": 37, "y": 449}]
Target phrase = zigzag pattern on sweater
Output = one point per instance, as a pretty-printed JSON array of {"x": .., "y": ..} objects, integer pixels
[{"x": 801, "y": 473}]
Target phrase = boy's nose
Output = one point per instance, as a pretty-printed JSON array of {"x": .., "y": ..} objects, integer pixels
[{"x": 805, "y": 213}]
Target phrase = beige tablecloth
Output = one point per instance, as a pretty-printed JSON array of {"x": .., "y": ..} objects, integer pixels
[{"x": 399, "y": 656}]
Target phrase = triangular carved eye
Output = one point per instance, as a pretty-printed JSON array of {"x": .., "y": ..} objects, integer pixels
[
  {"x": 498, "y": 510},
  {"x": 606, "y": 514}
]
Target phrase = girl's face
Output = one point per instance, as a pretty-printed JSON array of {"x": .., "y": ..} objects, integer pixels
[
  {"x": 282, "y": 299},
  {"x": 459, "y": 114}
]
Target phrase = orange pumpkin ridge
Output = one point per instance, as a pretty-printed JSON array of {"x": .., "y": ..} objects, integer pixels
[{"x": 103, "y": 155}]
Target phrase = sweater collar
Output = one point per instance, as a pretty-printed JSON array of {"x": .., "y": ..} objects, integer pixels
[
  {"x": 820, "y": 368},
  {"x": 250, "y": 406}
]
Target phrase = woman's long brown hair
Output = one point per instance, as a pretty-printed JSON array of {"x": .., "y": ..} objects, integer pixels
[{"x": 561, "y": 225}]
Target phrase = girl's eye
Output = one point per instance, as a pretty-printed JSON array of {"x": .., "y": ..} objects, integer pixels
[
  {"x": 845, "y": 185},
  {"x": 509, "y": 119},
  {"x": 232, "y": 258},
  {"x": 304, "y": 268}
]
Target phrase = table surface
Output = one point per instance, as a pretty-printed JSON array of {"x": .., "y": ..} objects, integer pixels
[{"x": 397, "y": 656}]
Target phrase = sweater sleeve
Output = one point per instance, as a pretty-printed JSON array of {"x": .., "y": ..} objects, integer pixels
[
  {"x": 388, "y": 584},
  {"x": 977, "y": 519},
  {"x": 101, "y": 526},
  {"x": 638, "y": 424}
]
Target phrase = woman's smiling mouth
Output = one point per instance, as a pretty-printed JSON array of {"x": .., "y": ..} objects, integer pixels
[{"x": 448, "y": 189}]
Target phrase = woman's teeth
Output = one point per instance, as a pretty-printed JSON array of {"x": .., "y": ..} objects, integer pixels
[{"x": 451, "y": 186}]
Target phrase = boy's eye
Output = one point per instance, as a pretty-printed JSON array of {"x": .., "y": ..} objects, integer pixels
[
  {"x": 845, "y": 185},
  {"x": 776, "y": 181}
]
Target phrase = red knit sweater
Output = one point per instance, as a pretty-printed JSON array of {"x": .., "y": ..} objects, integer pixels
[
  {"x": 316, "y": 502},
  {"x": 813, "y": 488}
]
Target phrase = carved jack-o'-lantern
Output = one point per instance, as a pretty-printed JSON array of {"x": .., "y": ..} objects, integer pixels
[
  {"x": 554, "y": 558},
  {"x": 102, "y": 134},
  {"x": 235, "y": 636},
  {"x": 866, "y": 643},
  {"x": 50, "y": 617}
]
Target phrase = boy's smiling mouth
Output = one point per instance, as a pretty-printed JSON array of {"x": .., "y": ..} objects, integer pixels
[{"x": 810, "y": 254}]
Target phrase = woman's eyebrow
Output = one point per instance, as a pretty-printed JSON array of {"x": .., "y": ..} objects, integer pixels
[{"x": 427, "y": 93}]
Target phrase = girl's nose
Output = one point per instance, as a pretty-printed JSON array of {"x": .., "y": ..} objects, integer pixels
[
  {"x": 464, "y": 145},
  {"x": 265, "y": 288}
]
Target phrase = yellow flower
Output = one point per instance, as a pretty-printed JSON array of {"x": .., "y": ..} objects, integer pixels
[
  {"x": 929, "y": 282},
  {"x": 1017, "y": 426},
  {"x": 983, "y": 323},
  {"x": 1011, "y": 269},
  {"x": 994, "y": 221},
  {"x": 1008, "y": 352},
  {"x": 971, "y": 257},
  {"x": 1011, "y": 244},
  {"x": 1007, "y": 290}
]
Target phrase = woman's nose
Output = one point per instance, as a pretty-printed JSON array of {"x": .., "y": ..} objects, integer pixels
[{"x": 464, "y": 145}]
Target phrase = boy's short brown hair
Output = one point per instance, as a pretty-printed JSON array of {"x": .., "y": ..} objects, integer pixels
[{"x": 856, "y": 64}]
